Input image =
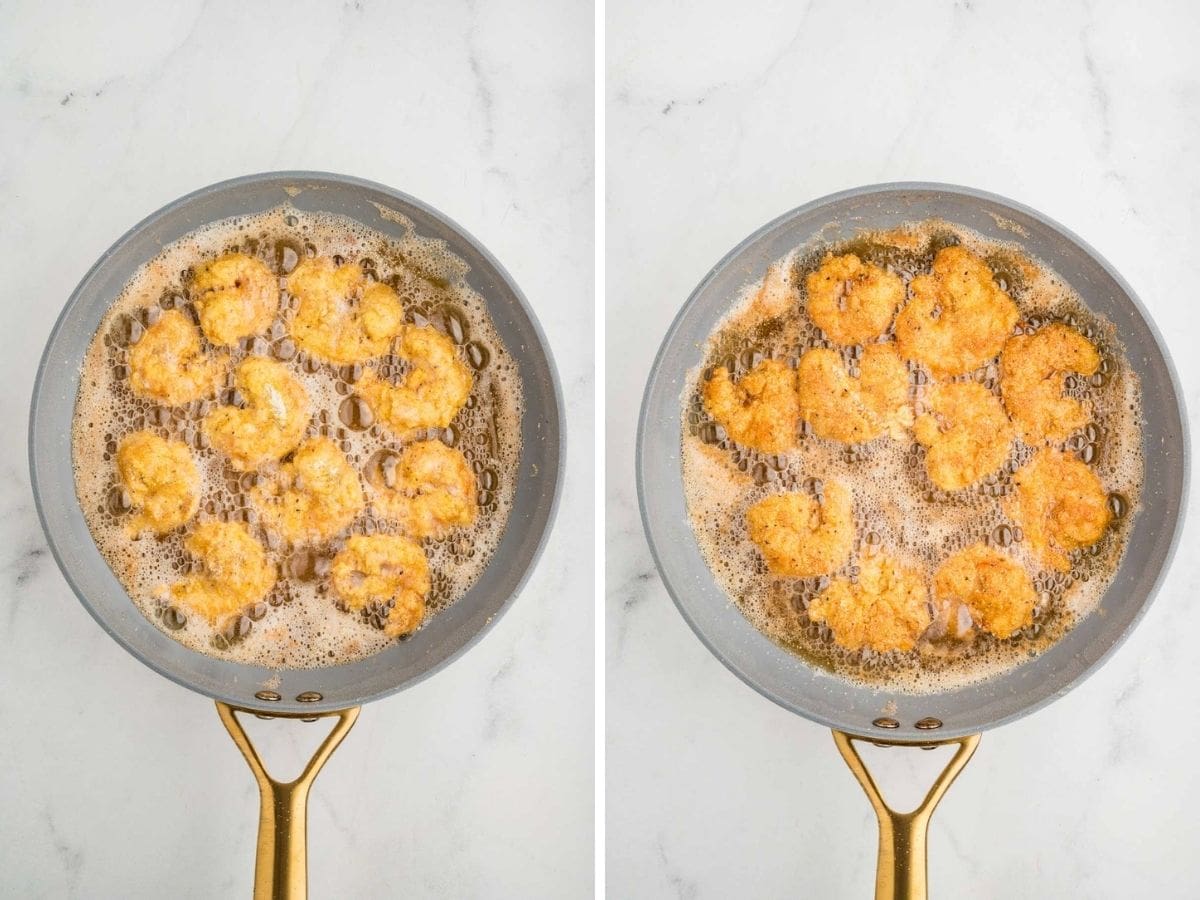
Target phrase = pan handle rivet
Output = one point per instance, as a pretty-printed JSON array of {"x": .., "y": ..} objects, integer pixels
[
  {"x": 313, "y": 697},
  {"x": 929, "y": 724},
  {"x": 886, "y": 722},
  {"x": 269, "y": 696}
]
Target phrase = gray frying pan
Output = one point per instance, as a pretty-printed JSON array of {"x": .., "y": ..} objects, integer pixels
[
  {"x": 876, "y": 714},
  {"x": 336, "y": 691}
]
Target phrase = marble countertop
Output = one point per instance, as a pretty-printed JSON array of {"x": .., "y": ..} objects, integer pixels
[
  {"x": 117, "y": 783},
  {"x": 716, "y": 123}
]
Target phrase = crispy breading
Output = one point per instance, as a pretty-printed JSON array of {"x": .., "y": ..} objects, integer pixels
[
  {"x": 389, "y": 570},
  {"x": 311, "y": 498},
  {"x": 851, "y": 301},
  {"x": 235, "y": 296},
  {"x": 272, "y": 423},
  {"x": 958, "y": 318},
  {"x": 234, "y": 570},
  {"x": 162, "y": 480},
  {"x": 1060, "y": 503},
  {"x": 760, "y": 410},
  {"x": 801, "y": 538},
  {"x": 428, "y": 490},
  {"x": 992, "y": 585},
  {"x": 855, "y": 410},
  {"x": 430, "y": 395},
  {"x": 966, "y": 434},
  {"x": 168, "y": 365},
  {"x": 886, "y": 609},
  {"x": 1032, "y": 370},
  {"x": 342, "y": 316}
]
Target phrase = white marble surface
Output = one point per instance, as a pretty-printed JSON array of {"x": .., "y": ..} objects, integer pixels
[
  {"x": 717, "y": 121},
  {"x": 115, "y": 782}
]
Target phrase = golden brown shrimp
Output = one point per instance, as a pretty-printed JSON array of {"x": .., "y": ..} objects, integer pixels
[
  {"x": 1032, "y": 370},
  {"x": 1060, "y": 504},
  {"x": 800, "y": 537},
  {"x": 851, "y": 301},
  {"x": 760, "y": 410},
  {"x": 886, "y": 609},
  {"x": 966, "y": 434},
  {"x": 311, "y": 498},
  {"x": 235, "y": 296},
  {"x": 855, "y": 410},
  {"x": 429, "y": 489},
  {"x": 162, "y": 481},
  {"x": 387, "y": 570},
  {"x": 168, "y": 366},
  {"x": 234, "y": 571},
  {"x": 430, "y": 394},
  {"x": 992, "y": 585},
  {"x": 271, "y": 424},
  {"x": 958, "y": 318},
  {"x": 342, "y": 317}
]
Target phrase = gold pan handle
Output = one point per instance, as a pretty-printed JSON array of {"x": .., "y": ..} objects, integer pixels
[{"x": 902, "y": 872}]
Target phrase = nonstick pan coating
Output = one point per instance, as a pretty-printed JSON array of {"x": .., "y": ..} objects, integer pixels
[
  {"x": 784, "y": 677},
  {"x": 443, "y": 637}
]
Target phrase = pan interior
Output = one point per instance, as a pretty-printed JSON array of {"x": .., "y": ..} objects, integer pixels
[
  {"x": 784, "y": 677},
  {"x": 443, "y": 637}
]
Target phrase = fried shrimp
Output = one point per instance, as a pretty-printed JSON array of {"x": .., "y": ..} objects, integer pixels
[
  {"x": 1060, "y": 504},
  {"x": 886, "y": 609},
  {"x": 161, "y": 479},
  {"x": 958, "y": 317},
  {"x": 168, "y": 365},
  {"x": 855, "y": 410},
  {"x": 311, "y": 498},
  {"x": 851, "y": 301},
  {"x": 800, "y": 537},
  {"x": 430, "y": 394},
  {"x": 993, "y": 587},
  {"x": 429, "y": 489},
  {"x": 235, "y": 296},
  {"x": 385, "y": 570},
  {"x": 1032, "y": 370},
  {"x": 342, "y": 317},
  {"x": 966, "y": 434},
  {"x": 234, "y": 571},
  {"x": 271, "y": 423},
  {"x": 760, "y": 410}
]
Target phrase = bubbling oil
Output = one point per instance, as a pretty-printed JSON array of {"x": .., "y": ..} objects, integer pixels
[
  {"x": 897, "y": 508},
  {"x": 299, "y": 624}
]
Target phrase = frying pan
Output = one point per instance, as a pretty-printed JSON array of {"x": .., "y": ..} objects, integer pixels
[
  {"x": 336, "y": 691},
  {"x": 876, "y": 713}
]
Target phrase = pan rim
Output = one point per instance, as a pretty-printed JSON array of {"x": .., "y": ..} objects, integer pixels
[
  {"x": 1178, "y": 524},
  {"x": 316, "y": 177}
]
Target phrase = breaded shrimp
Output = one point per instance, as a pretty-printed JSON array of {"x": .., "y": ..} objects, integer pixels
[
  {"x": 887, "y": 609},
  {"x": 387, "y": 570},
  {"x": 1060, "y": 504},
  {"x": 958, "y": 318},
  {"x": 430, "y": 395},
  {"x": 162, "y": 481},
  {"x": 168, "y": 365},
  {"x": 234, "y": 571},
  {"x": 966, "y": 434},
  {"x": 428, "y": 490},
  {"x": 801, "y": 538},
  {"x": 1032, "y": 370},
  {"x": 342, "y": 316},
  {"x": 855, "y": 410},
  {"x": 760, "y": 410},
  {"x": 272, "y": 423},
  {"x": 851, "y": 301},
  {"x": 992, "y": 585},
  {"x": 235, "y": 296},
  {"x": 311, "y": 498}
]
